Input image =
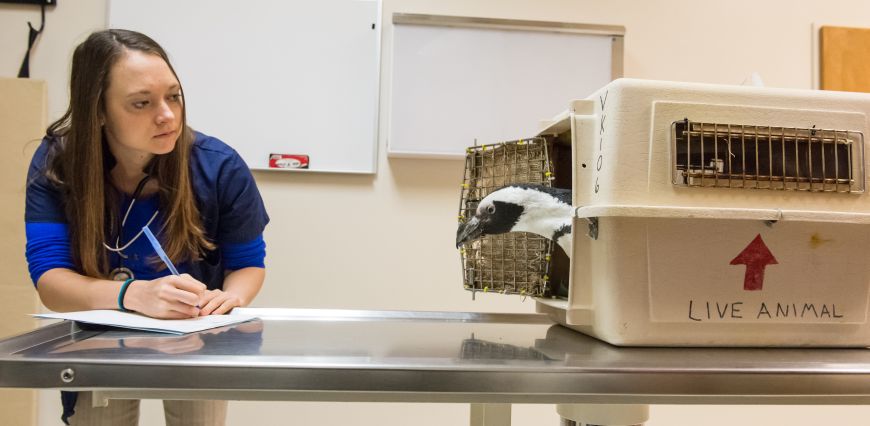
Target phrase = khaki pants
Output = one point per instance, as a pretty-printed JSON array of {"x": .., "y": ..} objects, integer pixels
[{"x": 123, "y": 412}]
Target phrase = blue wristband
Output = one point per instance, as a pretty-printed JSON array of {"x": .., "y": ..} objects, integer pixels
[{"x": 121, "y": 294}]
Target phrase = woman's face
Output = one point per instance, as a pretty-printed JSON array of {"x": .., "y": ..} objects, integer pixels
[{"x": 143, "y": 107}]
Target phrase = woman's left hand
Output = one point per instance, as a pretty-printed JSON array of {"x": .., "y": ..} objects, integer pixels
[{"x": 218, "y": 302}]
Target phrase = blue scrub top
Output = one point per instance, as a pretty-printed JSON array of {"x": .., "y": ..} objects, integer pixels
[{"x": 232, "y": 211}]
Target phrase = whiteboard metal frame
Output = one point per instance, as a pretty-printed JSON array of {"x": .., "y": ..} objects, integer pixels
[{"x": 617, "y": 32}]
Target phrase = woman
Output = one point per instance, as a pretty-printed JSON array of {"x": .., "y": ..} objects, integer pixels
[{"x": 120, "y": 158}]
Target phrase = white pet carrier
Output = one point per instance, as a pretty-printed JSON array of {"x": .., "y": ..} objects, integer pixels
[{"x": 710, "y": 215}]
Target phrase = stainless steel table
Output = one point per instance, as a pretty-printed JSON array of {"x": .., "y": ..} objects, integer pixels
[{"x": 489, "y": 360}]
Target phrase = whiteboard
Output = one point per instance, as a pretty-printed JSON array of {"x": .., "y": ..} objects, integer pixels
[
  {"x": 273, "y": 76},
  {"x": 458, "y": 80}
]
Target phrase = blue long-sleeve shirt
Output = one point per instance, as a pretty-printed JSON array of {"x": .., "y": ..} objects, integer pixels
[{"x": 232, "y": 211}]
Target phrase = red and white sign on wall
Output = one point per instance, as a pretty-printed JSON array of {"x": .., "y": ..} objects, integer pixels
[{"x": 288, "y": 161}]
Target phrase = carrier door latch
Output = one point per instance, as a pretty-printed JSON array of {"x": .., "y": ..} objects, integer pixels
[{"x": 593, "y": 227}]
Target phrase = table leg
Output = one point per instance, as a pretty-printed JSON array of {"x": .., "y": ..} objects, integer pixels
[
  {"x": 99, "y": 399},
  {"x": 490, "y": 415}
]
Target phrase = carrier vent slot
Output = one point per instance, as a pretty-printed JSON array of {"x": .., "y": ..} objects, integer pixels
[{"x": 766, "y": 157}]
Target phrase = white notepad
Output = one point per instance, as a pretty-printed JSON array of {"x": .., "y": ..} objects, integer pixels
[{"x": 140, "y": 322}]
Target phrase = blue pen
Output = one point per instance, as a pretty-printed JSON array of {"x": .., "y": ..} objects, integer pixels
[{"x": 160, "y": 252}]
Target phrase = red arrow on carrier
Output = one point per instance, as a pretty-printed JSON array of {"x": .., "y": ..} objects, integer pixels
[{"x": 755, "y": 256}]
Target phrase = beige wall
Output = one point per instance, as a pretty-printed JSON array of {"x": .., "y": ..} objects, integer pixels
[
  {"x": 22, "y": 121},
  {"x": 386, "y": 241}
]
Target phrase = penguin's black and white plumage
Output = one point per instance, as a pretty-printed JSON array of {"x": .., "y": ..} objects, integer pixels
[{"x": 531, "y": 208}]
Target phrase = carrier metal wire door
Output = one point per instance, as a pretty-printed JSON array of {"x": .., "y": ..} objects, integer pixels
[{"x": 514, "y": 263}]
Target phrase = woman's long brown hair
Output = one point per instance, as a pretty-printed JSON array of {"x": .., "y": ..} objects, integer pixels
[{"x": 79, "y": 161}]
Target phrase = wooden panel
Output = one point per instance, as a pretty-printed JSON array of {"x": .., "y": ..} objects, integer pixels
[
  {"x": 845, "y": 59},
  {"x": 22, "y": 124}
]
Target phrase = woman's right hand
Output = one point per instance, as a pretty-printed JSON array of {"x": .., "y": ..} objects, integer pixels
[{"x": 169, "y": 297}]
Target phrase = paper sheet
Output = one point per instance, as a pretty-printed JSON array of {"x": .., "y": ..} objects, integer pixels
[{"x": 140, "y": 322}]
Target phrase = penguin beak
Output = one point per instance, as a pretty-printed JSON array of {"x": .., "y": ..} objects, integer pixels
[{"x": 468, "y": 231}]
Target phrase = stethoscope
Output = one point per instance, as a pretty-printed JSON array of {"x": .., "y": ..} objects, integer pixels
[{"x": 122, "y": 273}]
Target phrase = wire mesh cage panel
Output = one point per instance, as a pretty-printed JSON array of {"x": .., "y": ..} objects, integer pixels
[
  {"x": 513, "y": 263},
  {"x": 765, "y": 157}
]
